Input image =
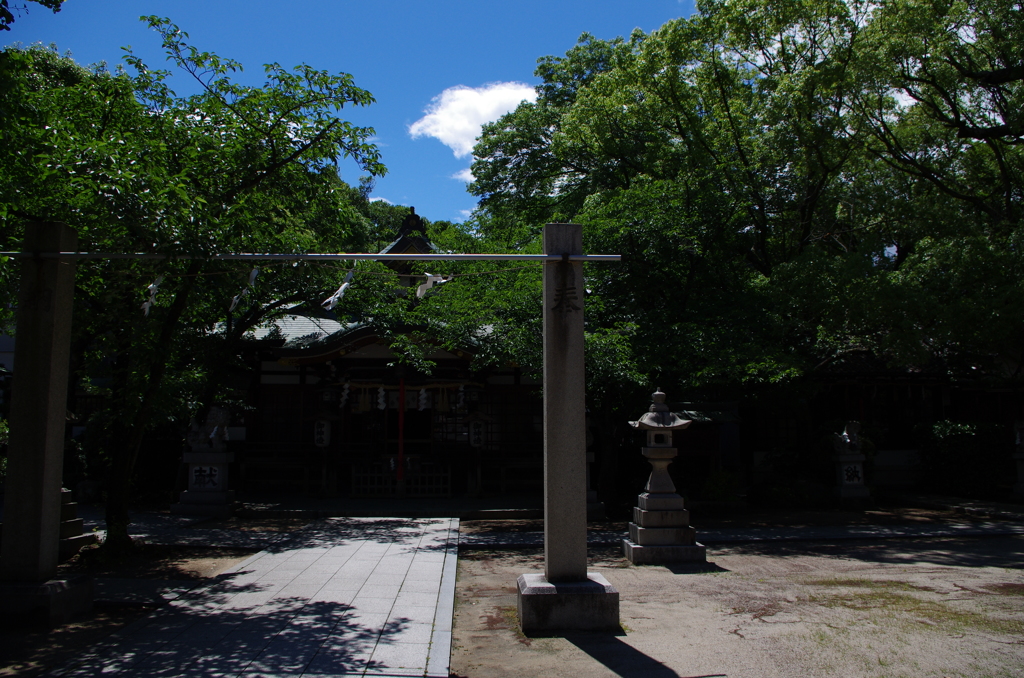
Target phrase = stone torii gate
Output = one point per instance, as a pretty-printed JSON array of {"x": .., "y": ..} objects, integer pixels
[{"x": 564, "y": 597}]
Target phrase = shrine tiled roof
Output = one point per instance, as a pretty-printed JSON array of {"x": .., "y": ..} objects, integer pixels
[{"x": 301, "y": 330}]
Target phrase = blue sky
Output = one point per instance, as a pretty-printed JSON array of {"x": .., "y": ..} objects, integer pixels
[{"x": 437, "y": 69}]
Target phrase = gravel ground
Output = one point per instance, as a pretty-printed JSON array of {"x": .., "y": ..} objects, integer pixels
[{"x": 887, "y": 608}]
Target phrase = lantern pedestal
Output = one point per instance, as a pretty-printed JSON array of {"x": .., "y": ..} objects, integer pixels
[
  {"x": 661, "y": 532},
  {"x": 850, "y": 477},
  {"x": 207, "y": 482}
]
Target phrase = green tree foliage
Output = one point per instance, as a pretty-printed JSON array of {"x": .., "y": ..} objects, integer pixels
[
  {"x": 135, "y": 168},
  {"x": 789, "y": 183},
  {"x": 943, "y": 92},
  {"x": 7, "y": 17}
]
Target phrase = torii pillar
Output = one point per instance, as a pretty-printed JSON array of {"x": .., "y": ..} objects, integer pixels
[
  {"x": 566, "y": 597},
  {"x": 32, "y": 500}
]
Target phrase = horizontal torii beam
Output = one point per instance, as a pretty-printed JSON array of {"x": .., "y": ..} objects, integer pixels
[{"x": 340, "y": 256}]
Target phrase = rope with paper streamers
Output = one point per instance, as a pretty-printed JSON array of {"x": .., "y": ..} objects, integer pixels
[
  {"x": 152, "y": 289},
  {"x": 241, "y": 295},
  {"x": 431, "y": 281},
  {"x": 330, "y": 302}
]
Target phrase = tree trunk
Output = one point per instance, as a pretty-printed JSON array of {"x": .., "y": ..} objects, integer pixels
[
  {"x": 609, "y": 488},
  {"x": 126, "y": 445},
  {"x": 118, "y": 541}
]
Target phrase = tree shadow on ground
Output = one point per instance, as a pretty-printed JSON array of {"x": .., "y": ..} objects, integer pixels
[
  {"x": 329, "y": 532},
  {"x": 237, "y": 625},
  {"x": 282, "y": 636}
]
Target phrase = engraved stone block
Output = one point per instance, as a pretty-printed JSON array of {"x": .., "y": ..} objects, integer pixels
[
  {"x": 660, "y": 518},
  {"x": 660, "y": 502},
  {"x": 683, "y": 536}
]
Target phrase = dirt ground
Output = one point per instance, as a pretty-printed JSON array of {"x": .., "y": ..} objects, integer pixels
[
  {"x": 889, "y": 608},
  {"x": 255, "y": 524},
  {"x": 787, "y": 518},
  {"x": 153, "y": 561},
  {"x": 937, "y": 607}
]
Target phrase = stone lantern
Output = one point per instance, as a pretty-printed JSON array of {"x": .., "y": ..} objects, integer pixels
[
  {"x": 1018, "y": 456},
  {"x": 661, "y": 531},
  {"x": 208, "y": 460},
  {"x": 849, "y": 461}
]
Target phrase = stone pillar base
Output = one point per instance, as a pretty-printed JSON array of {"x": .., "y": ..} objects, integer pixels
[
  {"x": 658, "y": 554},
  {"x": 591, "y": 605},
  {"x": 49, "y": 603}
]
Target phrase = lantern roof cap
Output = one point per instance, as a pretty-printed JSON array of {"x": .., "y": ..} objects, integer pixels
[{"x": 659, "y": 416}]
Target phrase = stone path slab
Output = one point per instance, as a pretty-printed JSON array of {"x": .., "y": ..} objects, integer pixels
[{"x": 343, "y": 597}]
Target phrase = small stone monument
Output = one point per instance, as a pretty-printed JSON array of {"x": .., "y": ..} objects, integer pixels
[
  {"x": 208, "y": 460},
  {"x": 661, "y": 531},
  {"x": 1018, "y": 456},
  {"x": 849, "y": 459}
]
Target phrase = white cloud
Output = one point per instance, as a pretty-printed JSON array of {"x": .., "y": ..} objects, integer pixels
[
  {"x": 455, "y": 116},
  {"x": 464, "y": 175},
  {"x": 381, "y": 200}
]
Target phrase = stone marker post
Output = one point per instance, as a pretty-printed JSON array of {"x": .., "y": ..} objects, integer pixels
[
  {"x": 849, "y": 461},
  {"x": 35, "y": 456},
  {"x": 208, "y": 462},
  {"x": 565, "y": 414},
  {"x": 1018, "y": 456},
  {"x": 566, "y": 596}
]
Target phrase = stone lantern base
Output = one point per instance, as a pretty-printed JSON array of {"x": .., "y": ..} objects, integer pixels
[
  {"x": 207, "y": 492},
  {"x": 661, "y": 532},
  {"x": 850, "y": 485}
]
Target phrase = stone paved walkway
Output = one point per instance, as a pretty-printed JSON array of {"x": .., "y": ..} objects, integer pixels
[{"x": 343, "y": 597}]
